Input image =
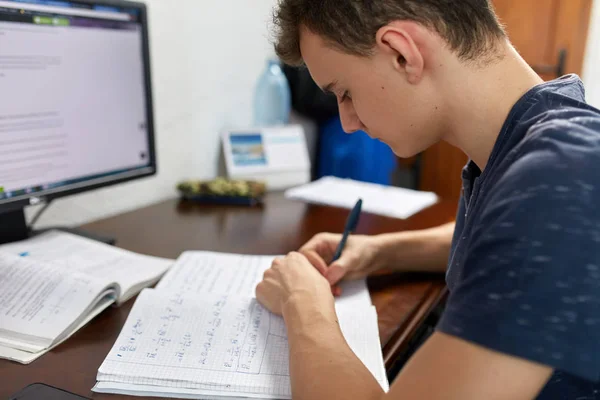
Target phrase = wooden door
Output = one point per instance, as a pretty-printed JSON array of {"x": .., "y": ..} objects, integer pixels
[
  {"x": 551, "y": 36},
  {"x": 542, "y": 30}
]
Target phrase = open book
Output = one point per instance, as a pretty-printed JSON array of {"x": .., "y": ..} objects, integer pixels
[
  {"x": 200, "y": 334},
  {"x": 53, "y": 284}
]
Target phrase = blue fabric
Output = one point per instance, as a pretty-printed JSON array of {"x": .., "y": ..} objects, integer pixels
[
  {"x": 355, "y": 156},
  {"x": 524, "y": 270}
]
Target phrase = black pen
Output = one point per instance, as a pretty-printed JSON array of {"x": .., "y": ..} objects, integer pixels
[{"x": 351, "y": 224}]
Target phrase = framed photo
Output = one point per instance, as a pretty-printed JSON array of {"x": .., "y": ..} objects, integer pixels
[{"x": 277, "y": 155}]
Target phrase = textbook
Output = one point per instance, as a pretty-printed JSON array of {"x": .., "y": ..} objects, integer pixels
[{"x": 54, "y": 284}]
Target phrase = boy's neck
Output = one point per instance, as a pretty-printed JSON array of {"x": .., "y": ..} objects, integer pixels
[{"x": 480, "y": 99}]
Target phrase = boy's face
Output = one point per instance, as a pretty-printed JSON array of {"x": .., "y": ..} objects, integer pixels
[{"x": 374, "y": 95}]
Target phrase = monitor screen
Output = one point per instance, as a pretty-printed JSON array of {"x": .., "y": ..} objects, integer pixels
[{"x": 75, "y": 101}]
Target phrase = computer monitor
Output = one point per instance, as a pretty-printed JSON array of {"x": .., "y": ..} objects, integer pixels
[{"x": 75, "y": 101}]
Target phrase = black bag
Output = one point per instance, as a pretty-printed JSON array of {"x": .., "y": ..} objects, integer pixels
[{"x": 307, "y": 98}]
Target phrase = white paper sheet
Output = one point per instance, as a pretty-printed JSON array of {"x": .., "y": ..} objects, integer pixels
[
  {"x": 219, "y": 345},
  {"x": 130, "y": 389},
  {"x": 207, "y": 272},
  {"x": 377, "y": 199},
  {"x": 199, "y": 272}
]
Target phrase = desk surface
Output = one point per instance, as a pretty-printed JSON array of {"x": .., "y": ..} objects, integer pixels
[{"x": 169, "y": 228}]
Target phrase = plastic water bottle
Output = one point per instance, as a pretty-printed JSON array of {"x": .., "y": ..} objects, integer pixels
[{"x": 272, "y": 98}]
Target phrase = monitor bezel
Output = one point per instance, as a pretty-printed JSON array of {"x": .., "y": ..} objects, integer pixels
[{"x": 45, "y": 196}]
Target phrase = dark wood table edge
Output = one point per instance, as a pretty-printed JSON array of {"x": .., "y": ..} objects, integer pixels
[
  {"x": 402, "y": 332},
  {"x": 400, "y": 341}
]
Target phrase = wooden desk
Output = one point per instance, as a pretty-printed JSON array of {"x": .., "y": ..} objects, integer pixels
[{"x": 171, "y": 227}]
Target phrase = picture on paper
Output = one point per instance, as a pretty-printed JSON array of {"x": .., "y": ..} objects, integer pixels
[{"x": 247, "y": 150}]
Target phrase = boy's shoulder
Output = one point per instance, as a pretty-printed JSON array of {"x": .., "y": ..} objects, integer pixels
[
  {"x": 547, "y": 182},
  {"x": 559, "y": 152},
  {"x": 526, "y": 258}
]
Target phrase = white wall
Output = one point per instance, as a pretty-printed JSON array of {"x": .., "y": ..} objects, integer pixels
[
  {"x": 591, "y": 71},
  {"x": 207, "y": 55},
  {"x": 206, "y": 58}
]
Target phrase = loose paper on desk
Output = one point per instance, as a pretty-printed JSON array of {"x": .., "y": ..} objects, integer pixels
[
  {"x": 377, "y": 199},
  {"x": 217, "y": 345},
  {"x": 198, "y": 272}
]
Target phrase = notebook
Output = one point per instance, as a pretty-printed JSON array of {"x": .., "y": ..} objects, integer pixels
[
  {"x": 199, "y": 272},
  {"x": 200, "y": 334},
  {"x": 377, "y": 199},
  {"x": 55, "y": 283}
]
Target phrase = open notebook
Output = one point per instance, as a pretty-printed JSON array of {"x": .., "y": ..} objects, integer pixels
[
  {"x": 53, "y": 284},
  {"x": 200, "y": 272},
  {"x": 200, "y": 334}
]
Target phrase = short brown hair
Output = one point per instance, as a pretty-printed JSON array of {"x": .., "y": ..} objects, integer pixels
[{"x": 469, "y": 26}]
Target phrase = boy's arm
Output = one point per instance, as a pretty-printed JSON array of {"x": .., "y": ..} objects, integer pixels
[
  {"x": 416, "y": 251},
  {"x": 322, "y": 366}
]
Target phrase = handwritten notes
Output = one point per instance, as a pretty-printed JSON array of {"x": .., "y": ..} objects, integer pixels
[
  {"x": 207, "y": 272},
  {"x": 171, "y": 338},
  {"x": 215, "y": 343},
  {"x": 226, "y": 334},
  {"x": 202, "y": 333},
  {"x": 199, "y": 272}
]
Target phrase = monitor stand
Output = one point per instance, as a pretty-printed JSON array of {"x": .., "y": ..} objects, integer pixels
[{"x": 13, "y": 227}]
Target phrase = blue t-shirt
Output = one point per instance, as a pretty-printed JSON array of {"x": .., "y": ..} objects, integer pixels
[{"x": 524, "y": 270}]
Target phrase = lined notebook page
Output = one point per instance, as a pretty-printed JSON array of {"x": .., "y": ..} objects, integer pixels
[
  {"x": 75, "y": 253},
  {"x": 208, "y": 272},
  {"x": 199, "y": 272},
  {"x": 377, "y": 199},
  {"x": 218, "y": 345}
]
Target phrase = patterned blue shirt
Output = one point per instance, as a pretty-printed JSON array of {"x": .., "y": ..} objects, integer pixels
[{"x": 524, "y": 270}]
